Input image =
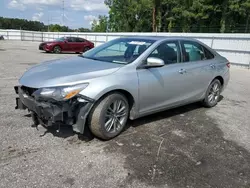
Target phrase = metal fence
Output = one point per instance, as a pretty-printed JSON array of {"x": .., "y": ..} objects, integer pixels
[{"x": 235, "y": 47}]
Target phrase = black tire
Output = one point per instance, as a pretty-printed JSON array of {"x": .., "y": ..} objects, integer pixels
[
  {"x": 57, "y": 49},
  {"x": 207, "y": 102},
  {"x": 86, "y": 49},
  {"x": 99, "y": 118}
]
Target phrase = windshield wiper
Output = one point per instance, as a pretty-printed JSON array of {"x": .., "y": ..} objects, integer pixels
[
  {"x": 89, "y": 58},
  {"x": 119, "y": 62},
  {"x": 96, "y": 59}
]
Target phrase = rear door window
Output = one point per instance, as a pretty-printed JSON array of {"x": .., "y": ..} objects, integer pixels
[
  {"x": 80, "y": 40},
  {"x": 71, "y": 39},
  {"x": 193, "y": 51}
]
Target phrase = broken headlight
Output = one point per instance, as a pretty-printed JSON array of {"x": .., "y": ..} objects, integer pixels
[{"x": 61, "y": 93}]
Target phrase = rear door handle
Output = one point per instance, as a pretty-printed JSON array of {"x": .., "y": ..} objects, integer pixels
[{"x": 182, "y": 71}]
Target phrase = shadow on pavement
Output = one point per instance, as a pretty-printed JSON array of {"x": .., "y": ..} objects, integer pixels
[
  {"x": 182, "y": 147},
  {"x": 164, "y": 115}
]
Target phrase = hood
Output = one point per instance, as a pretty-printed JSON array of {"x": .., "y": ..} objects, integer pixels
[{"x": 66, "y": 72}]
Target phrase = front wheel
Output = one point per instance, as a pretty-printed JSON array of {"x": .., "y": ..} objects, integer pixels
[
  {"x": 57, "y": 49},
  {"x": 109, "y": 117},
  {"x": 213, "y": 94}
]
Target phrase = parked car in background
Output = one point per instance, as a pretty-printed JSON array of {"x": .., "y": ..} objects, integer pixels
[
  {"x": 1, "y": 37},
  {"x": 67, "y": 44},
  {"x": 121, "y": 79}
]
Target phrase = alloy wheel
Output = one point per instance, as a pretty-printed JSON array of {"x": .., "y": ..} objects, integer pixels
[
  {"x": 214, "y": 93},
  {"x": 57, "y": 50},
  {"x": 115, "y": 117}
]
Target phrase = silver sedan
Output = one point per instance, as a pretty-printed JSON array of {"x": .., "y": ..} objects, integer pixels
[{"x": 126, "y": 78}]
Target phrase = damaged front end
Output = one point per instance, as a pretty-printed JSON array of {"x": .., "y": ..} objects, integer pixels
[{"x": 50, "y": 112}]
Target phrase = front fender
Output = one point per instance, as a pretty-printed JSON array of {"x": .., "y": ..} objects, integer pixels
[{"x": 100, "y": 86}]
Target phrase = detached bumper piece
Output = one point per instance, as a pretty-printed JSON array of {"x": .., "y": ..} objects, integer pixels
[{"x": 73, "y": 112}]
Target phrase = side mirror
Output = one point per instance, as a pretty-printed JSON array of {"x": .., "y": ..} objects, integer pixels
[{"x": 154, "y": 62}]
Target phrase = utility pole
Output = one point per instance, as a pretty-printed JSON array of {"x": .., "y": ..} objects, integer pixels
[
  {"x": 155, "y": 15},
  {"x": 48, "y": 21},
  {"x": 154, "y": 19},
  {"x": 63, "y": 12}
]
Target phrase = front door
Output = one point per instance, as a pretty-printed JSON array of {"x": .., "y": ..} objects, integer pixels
[
  {"x": 66, "y": 44},
  {"x": 162, "y": 87}
]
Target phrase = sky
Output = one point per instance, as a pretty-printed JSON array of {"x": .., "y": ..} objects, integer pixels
[{"x": 77, "y": 13}]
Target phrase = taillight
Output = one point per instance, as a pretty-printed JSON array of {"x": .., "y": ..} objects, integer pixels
[{"x": 228, "y": 65}]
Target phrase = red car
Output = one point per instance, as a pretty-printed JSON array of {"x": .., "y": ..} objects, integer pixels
[{"x": 67, "y": 44}]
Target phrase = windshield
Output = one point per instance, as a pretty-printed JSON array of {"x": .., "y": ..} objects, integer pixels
[
  {"x": 60, "y": 39},
  {"x": 123, "y": 50}
]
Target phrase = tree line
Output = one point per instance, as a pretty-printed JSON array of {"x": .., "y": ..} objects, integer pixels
[
  {"x": 209, "y": 16},
  {"x": 15, "y": 23}
]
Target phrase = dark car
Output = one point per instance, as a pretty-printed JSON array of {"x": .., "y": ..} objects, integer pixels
[{"x": 67, "y": 44}]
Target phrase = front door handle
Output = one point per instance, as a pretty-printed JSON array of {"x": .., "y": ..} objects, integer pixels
[
  {"x": 182, "y": 71},
  {"x": 212, "y": 66}
]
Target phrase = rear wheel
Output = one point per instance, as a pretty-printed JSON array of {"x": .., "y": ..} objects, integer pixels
[
  {"x": 86, "y": 49},
  {"x": 57, "y": 49},
  {"x": 213, "y": 94},
  {"x": 109, "y": 117}
]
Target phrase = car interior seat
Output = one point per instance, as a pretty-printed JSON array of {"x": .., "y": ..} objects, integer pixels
[
  {"x": 194, "y": 55},
  {"x": 129, "y": 52},
  {"x": 141, "y": 49},
  {"x": 167, "y": 54}
]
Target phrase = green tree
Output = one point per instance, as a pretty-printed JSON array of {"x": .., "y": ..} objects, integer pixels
[
  {"x": 100, "y": 25},
  {"x": 245, "y": 6},
  {"x": 159, "y": 15},
  {"x": 83, "y": 29},
  {"x": 14, "y": 23},
  {"x": 130, "y": 15},
  {"x": 179, "y": 15}
]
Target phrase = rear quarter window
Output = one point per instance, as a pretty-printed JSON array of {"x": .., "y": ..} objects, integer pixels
[{"x": 208, "y": 54}]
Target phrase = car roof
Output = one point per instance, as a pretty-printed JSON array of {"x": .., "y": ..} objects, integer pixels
[{"x": 158, "y": 38}]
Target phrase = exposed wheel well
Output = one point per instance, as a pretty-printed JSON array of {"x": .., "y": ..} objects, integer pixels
[
  {"x": 125, "y": 93},
  {"x": 56, "y": 46},
  {"x": 220, "y": 79}
]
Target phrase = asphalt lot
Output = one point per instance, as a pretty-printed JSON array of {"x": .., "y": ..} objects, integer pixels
[{"x": 186, "y": 147}]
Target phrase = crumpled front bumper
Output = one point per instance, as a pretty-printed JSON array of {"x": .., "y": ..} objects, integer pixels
[{"x": 73, "y": 112}]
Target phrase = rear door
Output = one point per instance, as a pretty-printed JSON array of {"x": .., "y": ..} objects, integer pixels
[
  {"x": 198, "y": 68},
  {"x": 81, "y": 44}
]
